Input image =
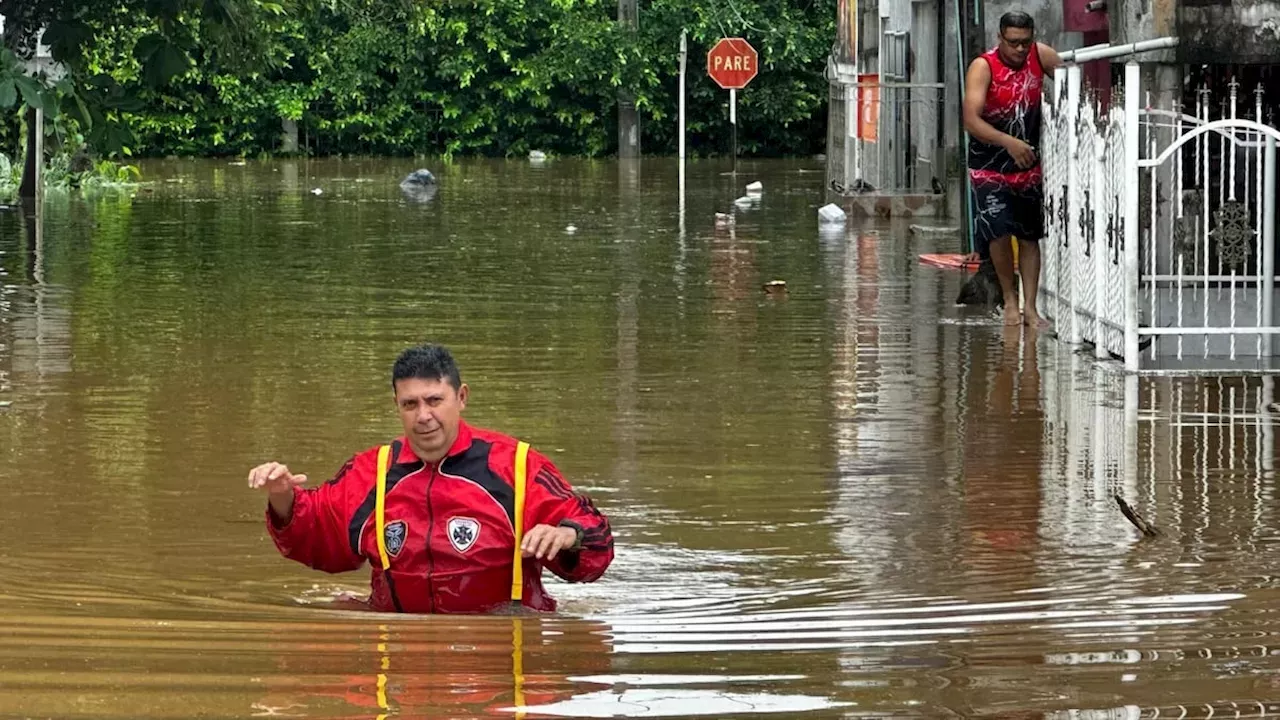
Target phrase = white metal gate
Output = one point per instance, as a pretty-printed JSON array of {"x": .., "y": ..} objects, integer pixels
[{"x": 1159, "y": 228}]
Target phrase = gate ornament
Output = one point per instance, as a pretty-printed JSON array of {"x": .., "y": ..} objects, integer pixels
[
  {"x": 1086, "y": 225},
  {"x": 1115, "y": 232},
  {"x": 1232, "y": 233},
  {"x": 1064, "y": 216}
]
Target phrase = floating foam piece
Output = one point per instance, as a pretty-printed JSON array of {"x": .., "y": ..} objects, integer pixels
[{"x": 830, "y": 214}]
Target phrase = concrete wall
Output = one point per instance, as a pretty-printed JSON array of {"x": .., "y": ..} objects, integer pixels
[
  {"x": 1046, "y": 13},
  {"x": 1211, "y": 31},
  {"x": 1238, "y": 31}
]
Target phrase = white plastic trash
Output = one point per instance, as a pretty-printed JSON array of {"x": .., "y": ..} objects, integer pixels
[
  {"x": 830, "y": 214},
  {"x": 744, "y": 202},
  {"x": 755, "y": 188}
]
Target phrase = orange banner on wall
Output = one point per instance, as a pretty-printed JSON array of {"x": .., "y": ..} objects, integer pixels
[{"x": 868, "y": 106}]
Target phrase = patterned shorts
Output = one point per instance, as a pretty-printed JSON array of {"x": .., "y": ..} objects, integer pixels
[{"x": 1000, "y": 211}]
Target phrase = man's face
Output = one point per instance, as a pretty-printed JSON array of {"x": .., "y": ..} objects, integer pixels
[
  {"x": 430, "y": 411},
  {"x": 1015, "y": 45}
]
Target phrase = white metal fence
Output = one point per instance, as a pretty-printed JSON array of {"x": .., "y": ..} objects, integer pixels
[{"x": 1160, "y": 232}]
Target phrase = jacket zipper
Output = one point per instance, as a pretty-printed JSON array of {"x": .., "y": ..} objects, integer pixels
[{"x": 431, "y": 533}]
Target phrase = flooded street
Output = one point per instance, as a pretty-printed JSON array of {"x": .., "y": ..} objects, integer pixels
[{"x": 852, "y": 501}]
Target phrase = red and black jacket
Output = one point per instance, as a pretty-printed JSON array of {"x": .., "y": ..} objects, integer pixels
[{"x": 449, "y": 526}]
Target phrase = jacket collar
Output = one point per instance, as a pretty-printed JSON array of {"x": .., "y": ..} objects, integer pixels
[{"x": 459, "y": 446}]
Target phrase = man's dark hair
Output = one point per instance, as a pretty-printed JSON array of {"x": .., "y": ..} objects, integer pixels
[
  {"x": 426, "y": 362},
  {"x": 1016, "y": 19}
]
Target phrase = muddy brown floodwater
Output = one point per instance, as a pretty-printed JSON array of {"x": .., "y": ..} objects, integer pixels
[{"x": 851, "y": 500}]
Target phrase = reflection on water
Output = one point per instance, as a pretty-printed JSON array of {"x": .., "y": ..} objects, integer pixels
[{"x": 851, "y": 500}]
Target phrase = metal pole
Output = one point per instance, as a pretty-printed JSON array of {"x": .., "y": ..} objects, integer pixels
[
  {"x": 684, "y": 56},
  {"x": 1074, "y": 205},
  {"x": 39, "y": 174},
  {"x": 1068, "y": 56},
  {"x": 1089, "y": 54},
  {"x": 733, "y": 123},
  {"x": 1132, "y": 80},
  {"x": 1268, "y": 242},
  {"x": 853, "y": 105},
  {"x": 1063, "y": 288},
  {"x": 1101, "y": 308}
]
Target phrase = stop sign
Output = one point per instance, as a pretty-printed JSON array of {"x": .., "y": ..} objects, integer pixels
[{"x": 732, "y": 63}]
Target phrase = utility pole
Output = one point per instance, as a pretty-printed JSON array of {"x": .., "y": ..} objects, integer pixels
[{"x": 628, "y": 117}]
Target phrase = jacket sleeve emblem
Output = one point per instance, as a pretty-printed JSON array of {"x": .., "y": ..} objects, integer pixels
[{"x": 394, "y": 535}]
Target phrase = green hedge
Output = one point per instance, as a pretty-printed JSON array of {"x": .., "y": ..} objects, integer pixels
[{"x": 490, "y": 77}]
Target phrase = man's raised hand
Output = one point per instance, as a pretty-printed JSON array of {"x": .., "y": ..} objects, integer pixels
[{"x": 275, "y": 477}]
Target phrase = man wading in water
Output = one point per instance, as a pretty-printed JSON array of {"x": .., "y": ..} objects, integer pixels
[
  {"x": 1002, "y": 114},
  {"x": 453, "y": 518}
]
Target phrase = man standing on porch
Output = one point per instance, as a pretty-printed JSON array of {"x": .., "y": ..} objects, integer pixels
[{"x": 1002, "y": 116}]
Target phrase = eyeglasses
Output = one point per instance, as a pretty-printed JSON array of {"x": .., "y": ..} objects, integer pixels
[{"x": 1020, "y": 42}]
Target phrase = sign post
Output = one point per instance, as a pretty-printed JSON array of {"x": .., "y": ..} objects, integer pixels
[{"x": 732, "y": 64}]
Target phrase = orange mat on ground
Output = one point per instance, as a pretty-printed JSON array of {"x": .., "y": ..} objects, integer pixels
[
  {"x": 956, "y": 261},
  {"x": 949, "y": 261}
]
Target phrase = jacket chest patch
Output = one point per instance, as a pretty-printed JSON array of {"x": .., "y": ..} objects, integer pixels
[
  {"x": 463, "y": 533},
  {"x": 393, "y": 536}
]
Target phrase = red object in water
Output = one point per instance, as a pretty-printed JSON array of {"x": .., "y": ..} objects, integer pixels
[{"x": 950, "y": 261}]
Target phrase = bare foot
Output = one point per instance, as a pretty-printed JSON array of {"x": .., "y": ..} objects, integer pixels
[
  {"x": 1011, "y": 315},
  {"x": 1033, "y": 320}
]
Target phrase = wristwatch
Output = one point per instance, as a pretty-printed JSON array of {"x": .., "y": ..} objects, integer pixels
[{"x": 577, "y": 529}]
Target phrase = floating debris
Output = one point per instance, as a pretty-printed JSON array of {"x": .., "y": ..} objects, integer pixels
[
  {"x": 725, "y": 220},
  {"x": 932, "y": 230},
  {"x": 775, "y": 288},
  {"x": 831, "y": 214},
  {"x": 1138, "y": 521},
  {"x": 755, "y": 188}
]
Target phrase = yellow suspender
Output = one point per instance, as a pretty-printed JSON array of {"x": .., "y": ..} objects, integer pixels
[
  {"x": 380, "y": 521},
  {"x": 517, "y": 562}
]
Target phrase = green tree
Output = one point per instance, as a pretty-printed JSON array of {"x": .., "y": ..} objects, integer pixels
[
  {"x": 493, "y": 77},
  {"x": 166, "y": 32}
]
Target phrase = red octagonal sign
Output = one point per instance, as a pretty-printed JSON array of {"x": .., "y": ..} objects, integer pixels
[{"x": 732, "y": 63}]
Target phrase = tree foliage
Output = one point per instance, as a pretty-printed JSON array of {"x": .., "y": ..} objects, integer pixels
[{"x": 201, "y": 77}]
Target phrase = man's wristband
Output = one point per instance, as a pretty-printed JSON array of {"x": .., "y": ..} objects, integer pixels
[{"x": 577, "y": 530}]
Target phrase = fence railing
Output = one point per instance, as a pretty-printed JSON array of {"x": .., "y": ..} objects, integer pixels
[
  {"x": 885, "y": 136},
  {"x": 1160, "y": 227}
]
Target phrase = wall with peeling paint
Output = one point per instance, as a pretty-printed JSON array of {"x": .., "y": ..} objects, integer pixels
[{"x": 1235, "y": 31}]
